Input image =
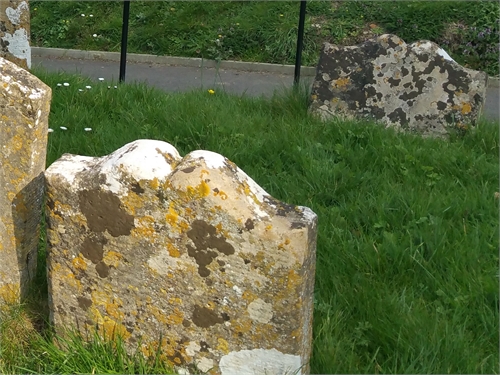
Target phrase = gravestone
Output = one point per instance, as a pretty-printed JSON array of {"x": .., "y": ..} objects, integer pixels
[
  {"x": 185, "y": 255},
  {"x": 417, "y": 87},
  {"x": 15, "y": 32},
  {"x": 24, "y": 111}
]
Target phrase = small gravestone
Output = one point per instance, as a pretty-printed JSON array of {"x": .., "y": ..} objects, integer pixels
[
  {"x": 24, "y": 111},
  {"x": 187, "y": 256},
  {"x": 15, "y": 32},
  {"x": 416, "y": 87}
]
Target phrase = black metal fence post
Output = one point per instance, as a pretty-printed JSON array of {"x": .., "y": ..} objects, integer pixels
[
  {"x": 300, "y": 42},
  {"x": 123, "y": 50}
]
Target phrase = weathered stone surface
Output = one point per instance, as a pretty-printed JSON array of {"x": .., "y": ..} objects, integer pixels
[
  {"x": 415, "y": 87},
  {"x": 24, "y": 111},
  {"x": 186, "y": 253},
  {"x": 15, "y": 32}
]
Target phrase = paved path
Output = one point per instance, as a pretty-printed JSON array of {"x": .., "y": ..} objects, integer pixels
[{"x": 180, "y": 78}]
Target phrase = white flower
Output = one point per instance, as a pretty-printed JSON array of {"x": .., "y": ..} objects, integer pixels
[
  {"x": 83, "y": 15},
  {"x": 109, "y": 87},
  {"x": 116, "y": 87},
  {"x": 94, "y": 35},
  {"x": 59, "y": 85},
  {"x": 88, "y": 87},
  {"x": 91, "y": 15},
  {"x": 80, "y": 90},
  {"x": 63, "y": 127},
  {"x": 101, "y": 79},
  {"x": 88, "y": 129},
  {"x": 66, "y": 84},
  {"x": 50, "y": 130}
]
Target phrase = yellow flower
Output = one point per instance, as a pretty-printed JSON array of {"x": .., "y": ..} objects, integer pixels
[
  {"x": 220, "y": 36},
  {"x": 281, "y": 15},
  {"x": 35, "y": 9},
  {"x": 211, "y": 91}
]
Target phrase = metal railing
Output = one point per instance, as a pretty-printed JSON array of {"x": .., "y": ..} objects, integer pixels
[{"x": 298, "y": 54}]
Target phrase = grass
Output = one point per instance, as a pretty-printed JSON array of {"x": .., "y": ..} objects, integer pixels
[
  {"x": 407, "y": 252},
  {"x": 266, "y": 31}
]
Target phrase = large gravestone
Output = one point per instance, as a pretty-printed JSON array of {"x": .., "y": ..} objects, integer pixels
[
  {"x": 24, "y": 111},
  {"x": 416, "y": 87},
  {"x": 15, "y": 32},
  {"x": 185, "y": 255}
]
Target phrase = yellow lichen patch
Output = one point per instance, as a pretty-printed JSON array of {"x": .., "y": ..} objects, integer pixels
[
  {"x": 200, "y": 191},
  {"x": 176, "y": 317},
  {"x": 175, "y": 301},
  {"x": 79, "y": 263},
  {"x": 242, "y": 326},
  {"x": 132, "y": 202},
  {"x": 314, "y": 97},
  {"x": 466, "y": 108},
  {"x": 172, "y": 216},
  {"x": 341, "y": 83},
  {"x": 144, "y": 228},
  {"x": 154, "y": 183},
  {"x": 202, "y": 172},
  {"x": 221, "y": 194},
  {"x": 223, "y": 346},
  {"x": 113, "y": 310},
  {"x": 112, "y": 258},
  {"x": 109, "y": 328},
  {"x": 17, "y": 142},
  {"x": 10, "y": 293},
  {"x": 249, "y": 296},
  {"x": 249, "y": 193},
  {"x": 173, "y": 251},
  {"x": 293, "y": 279},
  {"x": 268, "y": 227},
  {"x": 73, "y": 281}
]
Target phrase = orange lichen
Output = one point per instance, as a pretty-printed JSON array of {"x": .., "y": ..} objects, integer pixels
[
  {"x": 112, "y": 258},
  {"x": 223, "y": 346},
  {"x": 79, "y": 263},
  {"x": 173, "y": 251}
]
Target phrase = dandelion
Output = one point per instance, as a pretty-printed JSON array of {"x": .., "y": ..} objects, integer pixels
[
  {"x": 88, "y": 129},
  {"x": 66, "y": 84},
  {"x": 63, "y": 127},
  {"x": 100, "y": 79},
  {"x": 50, "y": 130},
  {"x": 211, "y": 92},
  {"x": 88, "y": 87}
]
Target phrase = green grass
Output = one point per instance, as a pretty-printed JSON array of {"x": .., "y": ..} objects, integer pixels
[
  {"x": 266, "y": 31},
  {"x": 407, "y": 252}
]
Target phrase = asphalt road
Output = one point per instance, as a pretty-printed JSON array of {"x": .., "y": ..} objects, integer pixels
[{"x": 180, "y": 78}]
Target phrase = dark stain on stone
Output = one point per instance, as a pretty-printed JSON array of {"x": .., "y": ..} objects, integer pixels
[
  {"x": 136, "y": 188},
  {"x": 92, "y": 249},
  {"x": 249, "y": 224},
  {"x": 393, "y": 81},
  {"x": 103, "y": 212},
  {"x": 84, "y": 303},
  {"x": 297, "y": 225},
  {"x": 204, "y": 238},
  {"x": 188, "y": 169},
  {"x": 102, "y": 269},
  {"x": 216, "y": 190},
  {"x": 398, "y": 115},
  {"x": 209, "y": 282},
  {"x": 204, "y": 346},
  {"x": 221, "y": 262},
  {"x": 186, "y": 323},
  {"x": 246, "y": 261},
  {"x": 176, "y": 358},
  {"x": 441, "y": 105},
  {"x": 204, "y": 318},
  {"x": 423, "y": 57},
  {"x": 225, "y": 317}
]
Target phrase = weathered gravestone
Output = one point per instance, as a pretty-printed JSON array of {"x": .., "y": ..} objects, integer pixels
[
  {"x": 15, "y": 32},
  {"x": 24, "y": 111},
  {"x": 188, "y": 255},
  {"x": 415, "y": 87}
]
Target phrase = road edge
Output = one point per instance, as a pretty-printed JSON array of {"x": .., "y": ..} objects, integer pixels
[{"x": 307, "y": 71}]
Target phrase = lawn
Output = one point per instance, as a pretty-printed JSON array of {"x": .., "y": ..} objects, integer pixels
[
  {"x": 407, "y": 252},
  {"x": 266, "y": 31}
]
